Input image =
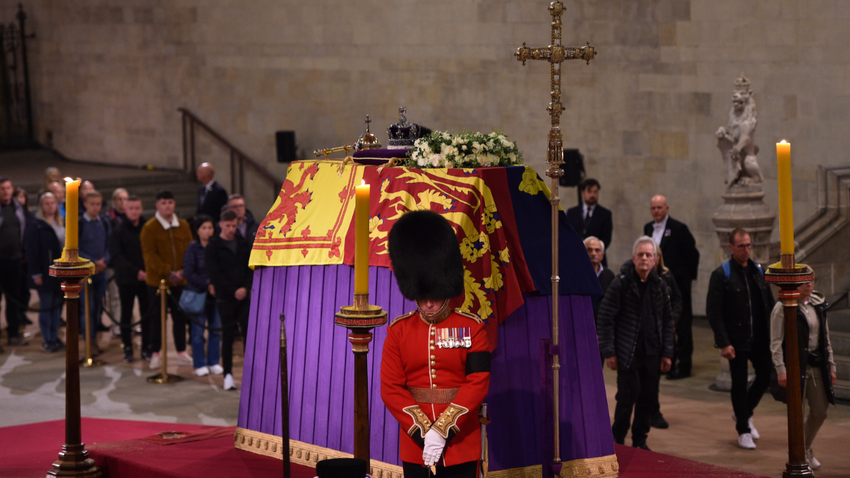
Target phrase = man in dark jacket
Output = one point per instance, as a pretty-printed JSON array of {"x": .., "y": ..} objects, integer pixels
[
  {"x": 125, "y": 248},
  {"x": 738, "y": 309},
  {"x": 212, "y": 197},
  {"x": 635, "y": 329},
  {"x": 591, "y": 219},
  {"x": 682, "y": 258},
  {"x": 13, "y": 223},
  {"x": 226, "y": 260},
  {"x": 246, "y": 226}
]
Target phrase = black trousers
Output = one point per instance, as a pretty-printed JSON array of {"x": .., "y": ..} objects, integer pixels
[
  {"x": 234, "y": 319},
  {"x": 10, "y": 285},
  {"x": 178, "y": 319},
  {"x": 461, "y": 470},
  {"x": 637, "y": 388},
  {"x": 745, "y": 401},
  {"x": 684, "y": 350},
  {"x": 128, "y": 294}
]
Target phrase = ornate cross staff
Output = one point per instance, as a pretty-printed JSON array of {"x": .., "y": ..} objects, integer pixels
[{"x": 555, "y": 54}]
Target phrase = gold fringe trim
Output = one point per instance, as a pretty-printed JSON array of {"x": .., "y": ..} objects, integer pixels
[
  {"x": 308, "y": 455},
  {"x": 600, "y": 467},
  {"x": 302, "y": 453}
]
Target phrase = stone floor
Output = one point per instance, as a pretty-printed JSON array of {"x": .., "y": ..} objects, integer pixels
[{"x": 701, "y": 428}]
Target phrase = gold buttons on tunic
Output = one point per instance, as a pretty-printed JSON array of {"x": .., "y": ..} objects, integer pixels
[
  {"x": 433, "y": 348},
  {"x": 433, "y": 357},
  {"x": 434, "y": 385}
]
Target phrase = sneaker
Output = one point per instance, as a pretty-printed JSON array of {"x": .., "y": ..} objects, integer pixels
[
  {"x": 659, "y": 422},
  {"x": 228, "y": 382},
  {"x": 811, "y": 460},
  {"x": 155, "y": 362},
  {"x": 745, "y": 441},
  {"x": 183, "y": 358},
  {"x": 202, "y": 371},
  {"x": 128, "y": 354},
  {"x": 216, "y": 369},
  {"x": 146, "y": 355},
  {"x": 17, "y": 342},
  {"x": 116, "y": 332},
  {"x": 753, "y": 431}
]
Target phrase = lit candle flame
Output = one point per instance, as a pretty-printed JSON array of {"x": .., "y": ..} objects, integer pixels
[{"x": 783, "y": 142}]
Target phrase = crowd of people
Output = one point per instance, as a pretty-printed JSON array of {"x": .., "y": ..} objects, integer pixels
[
  {"x": 645, "y": 318},
  {"x": 204, "y": 259}
]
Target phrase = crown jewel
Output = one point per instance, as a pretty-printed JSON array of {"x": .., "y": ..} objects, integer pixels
[
  {"x": 402, "y": 135},
  {"x": 742, "y": 84},
  {"x": 367, "y": 140}
]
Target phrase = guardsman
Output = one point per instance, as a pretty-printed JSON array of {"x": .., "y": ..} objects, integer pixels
[{"x": 435, "y": 370}]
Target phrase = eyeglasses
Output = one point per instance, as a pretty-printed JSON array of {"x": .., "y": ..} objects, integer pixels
[{"x": 744, "y": 246}]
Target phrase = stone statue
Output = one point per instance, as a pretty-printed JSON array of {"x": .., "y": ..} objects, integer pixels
[{"x": 735, "y": 141}]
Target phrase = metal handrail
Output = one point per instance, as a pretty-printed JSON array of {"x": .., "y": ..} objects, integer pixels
[
  {"x": 238, "y": 158},
  {"x": 845, "y": 296}
]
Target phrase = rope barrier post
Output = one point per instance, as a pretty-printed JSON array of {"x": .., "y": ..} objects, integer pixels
[
  {"x": 88, "y": 361},
  {"x": 73, "y": 459},
  {"x": 163, "y": 376}
]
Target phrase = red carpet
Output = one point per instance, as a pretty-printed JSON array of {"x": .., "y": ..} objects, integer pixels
[{"x": 130, "y": 449}]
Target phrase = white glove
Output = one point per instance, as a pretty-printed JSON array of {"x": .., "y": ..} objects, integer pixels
[{"x": 434, "y": 444}]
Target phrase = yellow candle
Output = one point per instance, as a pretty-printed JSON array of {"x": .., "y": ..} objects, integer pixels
[
  {"x": 786, "y": 207},
  {"x": 72, "y": 194},
  {"x": 361, "y": 236}
]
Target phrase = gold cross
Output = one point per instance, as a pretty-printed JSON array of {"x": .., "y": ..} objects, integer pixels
[{"x": 555, "y": 54}]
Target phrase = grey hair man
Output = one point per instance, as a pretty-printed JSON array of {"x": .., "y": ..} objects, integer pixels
[{"x": 635, "y": 330}]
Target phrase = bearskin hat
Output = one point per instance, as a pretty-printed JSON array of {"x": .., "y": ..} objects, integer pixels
[{"x": 426, "y": 256}]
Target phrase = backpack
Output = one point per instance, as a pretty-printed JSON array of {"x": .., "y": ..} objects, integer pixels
[{"x": 727, "y": 269}]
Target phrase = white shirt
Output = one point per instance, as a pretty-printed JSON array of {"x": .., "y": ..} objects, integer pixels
[
  {"x": 601, "y": 268},
  {"x": 587, "y": 210},
  {"x": 658, "y": 229},
  {"x": 165, "y": 224}
]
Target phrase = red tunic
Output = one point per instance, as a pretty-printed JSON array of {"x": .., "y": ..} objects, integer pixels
[{"x": 414, "y": 362}]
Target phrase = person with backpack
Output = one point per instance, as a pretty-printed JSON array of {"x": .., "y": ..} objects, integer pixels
[
  {"x": 818, "y": 370},
  {"x": 738, "y": 309}
]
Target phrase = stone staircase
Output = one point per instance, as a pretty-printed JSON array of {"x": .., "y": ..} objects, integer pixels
[
  {"x": 822, "y": 244},
  {"x": 183, "y": 186},
  {"x": 822, "y": 239},
  {"x": 141, "y": 182}
]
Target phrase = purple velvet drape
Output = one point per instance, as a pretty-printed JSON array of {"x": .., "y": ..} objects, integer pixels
[{"x": 321, "y": 370}]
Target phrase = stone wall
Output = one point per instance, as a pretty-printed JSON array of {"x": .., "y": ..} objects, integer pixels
[{"x": 109, "y": 76}]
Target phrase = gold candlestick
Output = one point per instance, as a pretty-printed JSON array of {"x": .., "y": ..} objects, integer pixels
[
  {"x": 73, "y": 459},
  {"x": 789, "y": 276},
  {"x": 360, "y": 318}
]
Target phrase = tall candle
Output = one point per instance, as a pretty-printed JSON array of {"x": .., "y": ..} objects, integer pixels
[
  {"x": 72, "y": 194},
  {"x": 786, "y": 208},
  {"x": 361, "y": 236}
]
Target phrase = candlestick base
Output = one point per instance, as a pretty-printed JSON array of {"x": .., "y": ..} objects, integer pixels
[
  {"x": 91, "y": 362},
  {"x": 164, "y": 378},
  {"x": 361, "y": 315},
  {"x": 74, "y": 461}
]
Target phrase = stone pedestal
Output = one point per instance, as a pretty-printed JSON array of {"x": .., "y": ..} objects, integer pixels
[{"x": 744, "y": 207}]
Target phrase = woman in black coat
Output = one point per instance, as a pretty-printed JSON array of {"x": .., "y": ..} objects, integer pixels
[{"x": 44, "y": 240}]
